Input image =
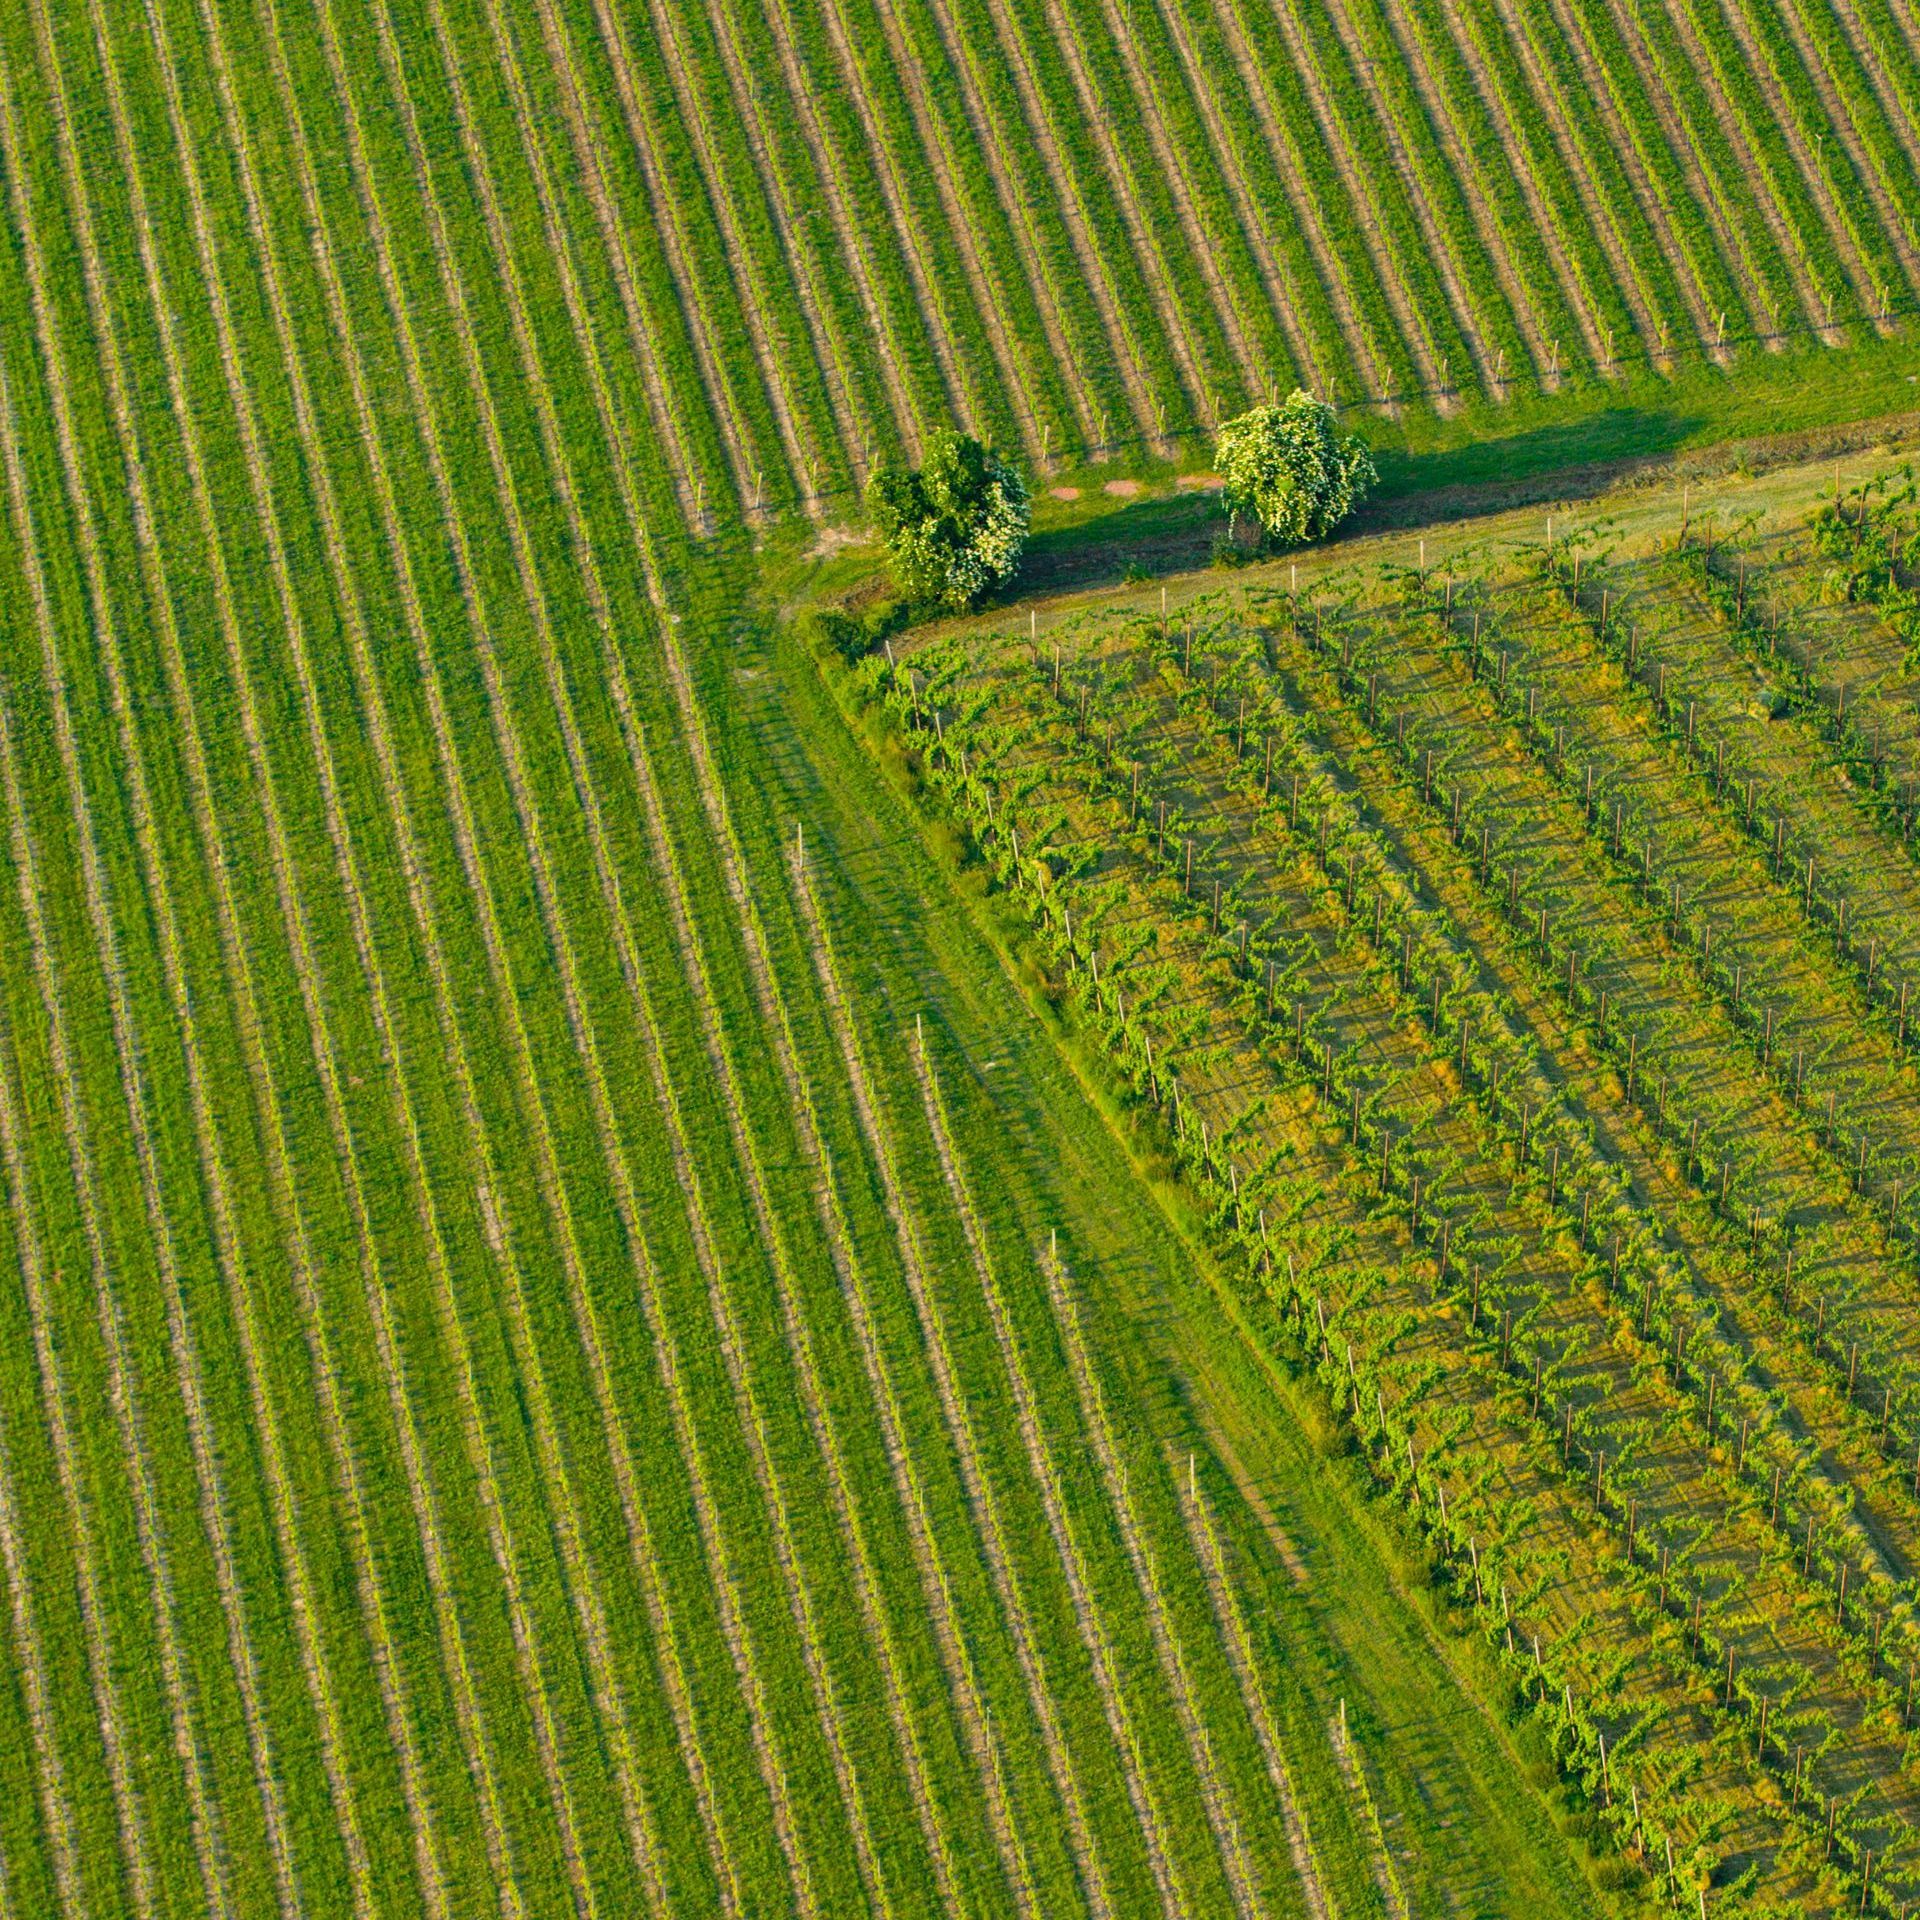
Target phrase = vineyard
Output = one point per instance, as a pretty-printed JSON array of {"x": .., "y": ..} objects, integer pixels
[
  {"x": 531, "y": 1383},
  {"x": 1518, "y": 950},
  {"x": 1096, "y": 228},
  {"x": 1089, "y": 229},
  {"x": 1248, "y": 1252}
]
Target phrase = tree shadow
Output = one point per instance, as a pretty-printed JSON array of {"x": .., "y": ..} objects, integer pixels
[
  {"x": 1152, "y": 538},
  {"x": 1137, "y": 539},
  {"x": 1556, "y": 460}
]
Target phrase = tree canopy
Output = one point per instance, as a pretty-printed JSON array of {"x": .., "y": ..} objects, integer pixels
[
  {"x": 1289, "y": 468},
  {"x": 954, "y": 528}
]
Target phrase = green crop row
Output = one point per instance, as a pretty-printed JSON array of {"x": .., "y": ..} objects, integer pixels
[
  {"x": 1529, "y": 129},
  {"x": 1015, "y": 856},
  {"x": 1443, "y": 198},
  {"x": 1698, "y": 244}
]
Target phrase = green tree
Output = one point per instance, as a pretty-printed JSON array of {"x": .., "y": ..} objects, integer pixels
[
  {"x": 954, "y": 528},
  {"x": 1290, "y": 469}
]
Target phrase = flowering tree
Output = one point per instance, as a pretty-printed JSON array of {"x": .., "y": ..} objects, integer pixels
[
  {"x": 1289, "y": 469},
  {"x": 955, "y": 527}
]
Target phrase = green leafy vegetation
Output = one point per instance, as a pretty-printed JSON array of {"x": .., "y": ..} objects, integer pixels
[
  {"x": 675, "y": 1245},
  {"x": 954, "y": 527},
  {"x": 1291, "y": 471}
]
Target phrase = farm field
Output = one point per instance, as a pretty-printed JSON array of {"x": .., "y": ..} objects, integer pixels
[
  {"x": 1512, "y": 931},
  {"x": 1239, "y": 1251}
]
